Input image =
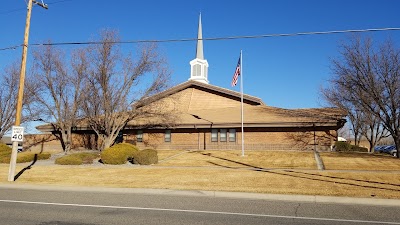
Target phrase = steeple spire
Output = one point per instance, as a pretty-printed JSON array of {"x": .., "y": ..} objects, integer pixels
[
  {"x": 199, "y": 66},
  {"x": 199, "y": 49}
]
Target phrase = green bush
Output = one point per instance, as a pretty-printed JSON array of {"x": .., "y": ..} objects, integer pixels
[
  {"x": 355, "y": 148},
  {"x": 88, "y": 157},
  {"x": 5, "y": 155},
  {"x": 77, "y": 159},
  {"x": 5, "y": 158},
  {"x": 346, "y": 147},
  {"x": 146, "y": 157},
  {"x": 342, "y": 146},
  {"x": 29, "y": 156},
  {"x": 4, "y": 149},
  {"x": 69, "y": 160},
  {"x": 118, "y": 154}
]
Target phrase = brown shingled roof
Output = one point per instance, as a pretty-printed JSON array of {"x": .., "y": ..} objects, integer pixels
[
  {"x": 256, "y": 113},
  {"x": 256, "y": 116},
  {"x": 207, "y": 87}
]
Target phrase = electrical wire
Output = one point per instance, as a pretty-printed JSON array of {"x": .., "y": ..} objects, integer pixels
[
  {"x": 10, "y": 48},
  {"x": 213, "y": 39},
  {"x": 24, "y": 9}
]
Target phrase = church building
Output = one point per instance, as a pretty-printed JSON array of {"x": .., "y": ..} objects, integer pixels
[{"x": 208, "y": 117}]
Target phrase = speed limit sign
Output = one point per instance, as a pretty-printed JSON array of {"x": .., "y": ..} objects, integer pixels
[{"x": 17, "y": 133}]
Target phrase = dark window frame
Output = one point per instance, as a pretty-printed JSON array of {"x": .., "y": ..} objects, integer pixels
[
  {"x": 223, "y": 135},
  {"x": 232, "y": 139},
  {"x": 214, "y": 139},
  {"x": 167, "y": 136},
  {"x": 139, "y": 136}
]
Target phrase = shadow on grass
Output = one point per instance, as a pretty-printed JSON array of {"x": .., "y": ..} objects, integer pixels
[
  {"x": 26, "y": 168},
  {"x": 310, "y": 176},
  {"x": 357, "y": 154}
]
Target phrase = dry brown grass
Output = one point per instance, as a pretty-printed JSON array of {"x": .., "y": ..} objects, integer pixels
[
  {"x": 228, "y": 171},
  {"x": 233, "y": 159},
  {"x": 359, "y": 184},
  {"x": 359, "y": 161}
]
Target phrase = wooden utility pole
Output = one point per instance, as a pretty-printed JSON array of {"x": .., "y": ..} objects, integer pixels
[{"x": 14, "y": 152}]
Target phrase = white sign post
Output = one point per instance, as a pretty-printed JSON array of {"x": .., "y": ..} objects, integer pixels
[{"x": 17, "y": 134}]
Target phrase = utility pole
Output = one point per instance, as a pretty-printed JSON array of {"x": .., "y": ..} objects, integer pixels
[{"x": 14, "y": 152}]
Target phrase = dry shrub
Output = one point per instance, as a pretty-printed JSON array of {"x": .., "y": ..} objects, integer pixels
[
  {"x": 69, "y": 160},
  {"x": 77, "y": 159},
  {"x": 118, "y": 154},
  {"x": 4, "y": 149},
  {"x": 29, "y": 156},
  {"x": 146, "y": 157},
  {"x": 5, "y": 155}
]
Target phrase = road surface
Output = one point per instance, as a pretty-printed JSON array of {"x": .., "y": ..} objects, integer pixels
[{"x": 67, "y": 207}]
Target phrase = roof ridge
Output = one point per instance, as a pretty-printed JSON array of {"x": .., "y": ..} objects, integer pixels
[{"x": 188, "y": 83}]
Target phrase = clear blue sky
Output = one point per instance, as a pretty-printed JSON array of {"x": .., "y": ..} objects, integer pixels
[{"x": 285, "y": 72}]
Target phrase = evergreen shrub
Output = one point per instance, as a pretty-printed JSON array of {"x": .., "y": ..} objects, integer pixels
[
  {"x": 118, "y": 154},
  {"x": 69, "y": 160},
  {"x": 5, "y": 158},
  {"x": 4, "y": 149},
  {"x": 77, "y": 159},
  {"x": 146, "y": 157},
  {"x": 342, "y": 146},
  {"x": 29, "y": 156},
  {"x": 355, "y": 148},
  {"x": 346, "y": 147},
  {"x": 5, "y": 155}
]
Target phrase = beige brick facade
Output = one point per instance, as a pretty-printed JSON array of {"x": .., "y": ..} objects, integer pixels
[
  {"x": 199, "y": 108},
  {"x": 254, "y": 139}
]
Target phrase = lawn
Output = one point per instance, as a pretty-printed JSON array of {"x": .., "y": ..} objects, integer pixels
[
  {"x": 257, "y": 172},
  {"x": 251, "y": 159},
  {"x": 359, "y": 161}
]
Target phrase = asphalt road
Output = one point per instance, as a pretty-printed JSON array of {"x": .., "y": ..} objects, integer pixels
[{"x": 85, "y": 207}]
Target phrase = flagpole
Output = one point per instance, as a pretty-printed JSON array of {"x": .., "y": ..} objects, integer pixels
[{"x": 241, "y": 98}]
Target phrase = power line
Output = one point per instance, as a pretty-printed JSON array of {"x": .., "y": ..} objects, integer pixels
[
  {"x": 12, "y": 10},
  {"x": 10, "y": 48},
  {"x": 215, "y": 38},
  {"x": 24, "y": 9}
]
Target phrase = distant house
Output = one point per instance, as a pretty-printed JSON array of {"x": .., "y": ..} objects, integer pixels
[{"x": 209, "y": 117}]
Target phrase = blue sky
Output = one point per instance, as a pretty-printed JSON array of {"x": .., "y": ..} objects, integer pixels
[{"x": 285, "y": 72}]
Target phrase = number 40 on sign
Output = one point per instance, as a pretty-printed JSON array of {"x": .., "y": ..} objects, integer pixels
[{"x": 17, "y": 133}]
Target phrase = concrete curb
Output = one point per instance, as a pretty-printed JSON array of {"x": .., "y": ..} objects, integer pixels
[{"x": 214, "y": 194}]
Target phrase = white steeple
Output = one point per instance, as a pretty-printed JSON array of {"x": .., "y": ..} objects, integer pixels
[{"x": 199, "y": 66}]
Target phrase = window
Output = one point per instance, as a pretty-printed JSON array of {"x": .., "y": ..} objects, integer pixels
[
  {"x": 214, "y": 135},
  {"x": 139, "y": 136},
  {"x": 167, "y": 137},
  {"x": 197, "y": 70},
  {"x": 232, "y": 135},
  {"x": 222, "y": 135}
]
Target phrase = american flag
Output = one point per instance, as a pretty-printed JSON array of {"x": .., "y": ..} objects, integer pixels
[{"x": 236, "y": 75}]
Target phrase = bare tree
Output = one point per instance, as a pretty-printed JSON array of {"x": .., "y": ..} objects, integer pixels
[
  {"x": 60, "y": 90},
  {"x": 118, "y": 86},
  {"x": 363, "y": 123},
  {"x": 372, "y": 130},
  {"x": 9, "y": 82},
  {"x": 335, "y": 96},
  {"x": 371, "y": 80}
]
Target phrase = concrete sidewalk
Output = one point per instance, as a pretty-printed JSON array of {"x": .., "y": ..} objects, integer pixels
[{"x": 213, "y": 194}]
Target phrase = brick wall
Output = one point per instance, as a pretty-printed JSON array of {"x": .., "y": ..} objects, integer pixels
[
  {"x": 255, "y": 138},
  {"x": 200, "y": 139}
]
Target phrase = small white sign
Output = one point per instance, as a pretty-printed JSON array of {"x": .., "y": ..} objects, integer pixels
[{"x": 17, "y": 134}]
